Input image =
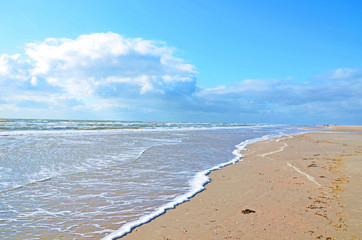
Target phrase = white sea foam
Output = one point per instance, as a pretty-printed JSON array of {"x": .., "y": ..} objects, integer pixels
[
  {"x": 312, "y": 179},
  {"x": 91, "y": 164},
  {"x": 35, "y": 128},
  {"x": 197, "y": 185},
  {"x": 276, "y": 151}
]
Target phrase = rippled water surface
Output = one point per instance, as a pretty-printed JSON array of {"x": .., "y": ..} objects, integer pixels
[{"x": 78, "y": 179}]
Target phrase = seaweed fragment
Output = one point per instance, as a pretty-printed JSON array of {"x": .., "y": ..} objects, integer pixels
[{"x": 247, "y": 211}]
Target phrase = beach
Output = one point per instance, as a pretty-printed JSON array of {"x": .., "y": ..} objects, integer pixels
[{"x": 304, "y": 186}]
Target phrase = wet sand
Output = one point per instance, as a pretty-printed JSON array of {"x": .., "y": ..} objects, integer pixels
[{"x": 301, "y": 187}]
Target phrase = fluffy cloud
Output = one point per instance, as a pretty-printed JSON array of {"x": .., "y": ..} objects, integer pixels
[
  {"x": 14, "y": 68},
  {"x": 93, "y": 68},
  {"x": 108, "y": 64},
  {"x": 105, "y": 75}
]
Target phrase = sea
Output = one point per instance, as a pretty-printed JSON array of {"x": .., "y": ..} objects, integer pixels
[{"x": 66, "y": 179}]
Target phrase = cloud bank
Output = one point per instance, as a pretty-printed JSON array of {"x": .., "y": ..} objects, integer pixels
[{"x": 108, "y": 76}]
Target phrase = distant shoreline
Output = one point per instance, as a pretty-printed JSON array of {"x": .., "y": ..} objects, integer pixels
[{"x": 336, "y": 128}]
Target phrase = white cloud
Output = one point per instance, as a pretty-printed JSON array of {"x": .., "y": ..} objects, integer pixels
[
  {"x": 105, "y": 75},
  {"x": 343, "y": 73},
  {"x": 14, "y": 68},
  {"x": 85, "y": 65},
  {"x": 339, "y": 74},
  {"x": 287, "y": 100},
  {"x": 94, "y": 67}
]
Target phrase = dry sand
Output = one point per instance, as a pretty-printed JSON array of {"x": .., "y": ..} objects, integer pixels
[{"x": 302, "y": 187}]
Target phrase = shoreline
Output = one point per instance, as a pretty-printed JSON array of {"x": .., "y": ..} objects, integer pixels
[
  {"x": 336, "y": 128},
  {"x": 314, "y": 196},
  {"x": 198, "y": 184}
]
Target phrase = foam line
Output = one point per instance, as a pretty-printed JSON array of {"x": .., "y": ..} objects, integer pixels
[
  {"x": 26, "y": 184},
  {"x": 141, "y": 154},
  {"x": 305, "y": 174},
  {"x": 197, "y": 185},
  {"x": 269, "y": 153}
]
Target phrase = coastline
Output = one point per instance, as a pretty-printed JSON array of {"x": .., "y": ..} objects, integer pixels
[
  {"x": 290, "y": 199},
  {"x": 111, "y": 179},
  {"x": 336, "y": 128}
]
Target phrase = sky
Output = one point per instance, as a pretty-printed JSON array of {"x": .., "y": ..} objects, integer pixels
[{"x": 293, "y": 62}]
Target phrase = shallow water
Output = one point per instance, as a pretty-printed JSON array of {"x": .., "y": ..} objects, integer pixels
[{"x": 84, "y": 179}]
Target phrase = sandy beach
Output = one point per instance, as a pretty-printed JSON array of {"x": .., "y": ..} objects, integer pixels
[{"x": 297, "y": 187}]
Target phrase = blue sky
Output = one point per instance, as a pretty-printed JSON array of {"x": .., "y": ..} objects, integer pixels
[{"x": 229, "y": 61}]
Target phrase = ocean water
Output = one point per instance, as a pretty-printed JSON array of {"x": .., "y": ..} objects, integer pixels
[{"x": 99, "y": 179}]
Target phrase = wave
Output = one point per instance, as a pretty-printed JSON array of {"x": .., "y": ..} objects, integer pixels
[
  {"x": 44, "y": 127},
  {"x": 54, "y": 175},
  {"x": 27, "y": 184}
]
